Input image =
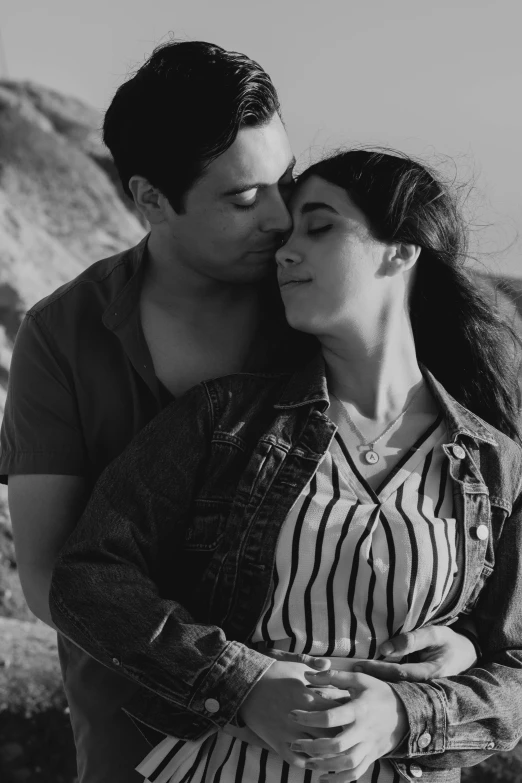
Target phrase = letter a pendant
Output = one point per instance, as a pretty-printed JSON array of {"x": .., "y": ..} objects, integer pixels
[{"x": 371, "y": 456}]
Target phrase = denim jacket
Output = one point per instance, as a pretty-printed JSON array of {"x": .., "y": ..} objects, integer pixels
[{"x": 167, "y": 573}]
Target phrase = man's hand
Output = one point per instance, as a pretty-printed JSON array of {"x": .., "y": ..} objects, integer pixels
[
  {"x": 372, "y": 722},
  {"x": 441, "y": 651},
  {"x": 266, "y": 710}
]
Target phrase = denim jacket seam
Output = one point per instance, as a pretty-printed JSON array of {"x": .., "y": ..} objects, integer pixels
[
  {"x": 209, "y": 676},
  {"x": 213, "y": 401},
  {"x": 220, "y": 436},
  {"x": 500, "y": 502},
  {"x": 136, "y": 674}
]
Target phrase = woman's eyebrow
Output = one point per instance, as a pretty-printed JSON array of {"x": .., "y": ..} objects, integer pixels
[{"x": 311, "y": 206}]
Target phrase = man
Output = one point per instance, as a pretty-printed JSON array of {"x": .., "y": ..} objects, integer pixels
[
  {"x": 198, "y": 141},
  {"x": 199, "y": 144}
]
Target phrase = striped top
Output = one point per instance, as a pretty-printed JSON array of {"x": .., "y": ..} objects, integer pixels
[{"x": 353, "y": 567}]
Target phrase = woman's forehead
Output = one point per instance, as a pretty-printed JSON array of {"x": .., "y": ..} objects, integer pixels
[{"x": 315, "y": 191}]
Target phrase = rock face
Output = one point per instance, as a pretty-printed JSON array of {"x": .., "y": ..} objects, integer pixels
[{"x": 62, "y": 208}]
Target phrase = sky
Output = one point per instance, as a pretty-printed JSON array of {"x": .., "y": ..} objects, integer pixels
[{"x": 440, "y": 79}]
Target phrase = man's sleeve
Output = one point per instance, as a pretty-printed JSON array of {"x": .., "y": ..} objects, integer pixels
[
  {"x": 41, "y": 430},
  {"x": 108, "y": 592}
]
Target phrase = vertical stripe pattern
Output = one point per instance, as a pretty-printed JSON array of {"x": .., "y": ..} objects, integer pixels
[{"x": 353, "y": 567}]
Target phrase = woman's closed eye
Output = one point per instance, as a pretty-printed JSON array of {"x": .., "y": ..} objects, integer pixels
[{"x": 316, "y": 230}]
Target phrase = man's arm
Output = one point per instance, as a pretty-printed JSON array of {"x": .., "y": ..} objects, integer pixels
[
  {"x": 44, "y": 510},
  {"x": 105, "y": 593}
]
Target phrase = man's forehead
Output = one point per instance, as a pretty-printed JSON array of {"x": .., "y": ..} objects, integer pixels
[{"x": 259, "y": 156}]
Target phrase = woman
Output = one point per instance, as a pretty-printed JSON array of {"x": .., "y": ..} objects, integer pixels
[{"x": 375, "y": 490}]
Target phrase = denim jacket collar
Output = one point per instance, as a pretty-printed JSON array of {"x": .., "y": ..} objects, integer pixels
[
  {"x": 459, "y": 420},
  {"x": 308, "y": 385}
]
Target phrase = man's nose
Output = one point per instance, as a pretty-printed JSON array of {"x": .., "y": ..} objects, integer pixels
[{"x": 279, "y": 218}]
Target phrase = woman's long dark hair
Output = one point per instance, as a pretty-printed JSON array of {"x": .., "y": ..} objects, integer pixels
[{"x": 459, "y": 336}]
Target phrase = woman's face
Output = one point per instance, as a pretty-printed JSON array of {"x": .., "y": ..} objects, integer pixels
[{"x": 331, "y": 270}]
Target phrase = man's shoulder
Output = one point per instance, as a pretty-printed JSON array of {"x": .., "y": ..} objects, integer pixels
[{"x": 93, "y": 289}]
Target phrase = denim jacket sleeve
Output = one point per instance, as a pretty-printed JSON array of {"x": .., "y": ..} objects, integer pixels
[
  {"x": 104, "y": 595},
  {"x": 458, "y": 721}
]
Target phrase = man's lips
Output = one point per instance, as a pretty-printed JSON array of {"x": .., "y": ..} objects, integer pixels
[{"x": 269, "y": 249}]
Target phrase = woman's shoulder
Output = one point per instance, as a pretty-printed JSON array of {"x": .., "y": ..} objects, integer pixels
[{"x": 500, "y": 460}]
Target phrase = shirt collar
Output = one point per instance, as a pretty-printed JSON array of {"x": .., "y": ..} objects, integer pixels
[
  {"x": 126, "y": 299},
  {"x": 308, "y": 386}
]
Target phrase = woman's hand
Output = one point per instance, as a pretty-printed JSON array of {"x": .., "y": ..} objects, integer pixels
[
  {"x": 266, "y": 710},
  {"x": 372, "y": 722},
  {"x": 441, "y": 651}
]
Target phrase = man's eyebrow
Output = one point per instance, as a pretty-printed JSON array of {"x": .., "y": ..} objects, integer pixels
[
  {"x": 311, "y": 206},
  {"x": 236, "y": 191}
]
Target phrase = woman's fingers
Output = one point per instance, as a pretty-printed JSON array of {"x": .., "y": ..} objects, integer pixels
[
  {"x": 340, "y": 715},
  {"x": 340, "y": 763},
  {"x": 395, "y": 672},
  {"x": 412, "y": 641},
  {"x": 333, "y": 677},
  {"x": 322, "y": 747},
  {"x": 321, "y": 664}
]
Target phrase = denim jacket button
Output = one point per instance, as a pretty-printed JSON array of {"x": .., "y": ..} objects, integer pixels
[
  {"x": 212, "y": 705},
  {"x": 458, "y": 452},
  {"x": 115, "y": 661},
  {"x": 424, "y": 740},
  {"x": 482, "y": 532},
  {"x": 416, "y": 771}
]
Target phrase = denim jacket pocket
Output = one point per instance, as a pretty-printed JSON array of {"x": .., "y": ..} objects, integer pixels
[{"x": 207, "y": 526}]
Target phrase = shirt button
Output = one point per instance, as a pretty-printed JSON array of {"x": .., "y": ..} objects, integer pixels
[
  {"x": 482, "y": 532},
  {"x": 424, "y": 740},
  {"x": 416, "y": 771},
  {"x": 212, "y": 705},
  {"x": 490, "y": 746},
  {"x": 115, "y": 661},
  {"x": 458, "y": 452}
]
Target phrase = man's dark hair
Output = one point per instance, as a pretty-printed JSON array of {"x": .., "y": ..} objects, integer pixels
[{"x": 182, "y": 109}]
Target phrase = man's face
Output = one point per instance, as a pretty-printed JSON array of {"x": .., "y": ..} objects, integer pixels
[{"x": 236, "y": 215}]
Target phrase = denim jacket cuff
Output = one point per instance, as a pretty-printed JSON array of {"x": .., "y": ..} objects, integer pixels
[
  {"x": 228, "y": 682},
  {"x": 426, "y": 713}
]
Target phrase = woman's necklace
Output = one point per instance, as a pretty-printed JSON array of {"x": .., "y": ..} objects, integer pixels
[{"x": 371, "y": 456}]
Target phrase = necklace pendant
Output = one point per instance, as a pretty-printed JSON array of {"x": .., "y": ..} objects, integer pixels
[{"x": 371, "y": 457}]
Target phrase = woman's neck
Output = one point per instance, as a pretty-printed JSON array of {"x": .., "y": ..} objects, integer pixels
[{"x": 377, "y": 373}]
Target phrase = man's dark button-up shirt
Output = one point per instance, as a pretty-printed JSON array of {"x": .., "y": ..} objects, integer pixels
[{"x": 81, "y": 386}]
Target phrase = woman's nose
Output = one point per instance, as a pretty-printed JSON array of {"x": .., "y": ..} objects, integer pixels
[{"x": 287, "y": 255}]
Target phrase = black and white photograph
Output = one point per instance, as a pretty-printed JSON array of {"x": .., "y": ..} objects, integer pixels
[{"x": 260, "y": 391}]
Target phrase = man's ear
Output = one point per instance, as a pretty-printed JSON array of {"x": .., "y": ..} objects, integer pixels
[
  {"x": 401, "y": 258},
  {"x": 149, "y": 200}
]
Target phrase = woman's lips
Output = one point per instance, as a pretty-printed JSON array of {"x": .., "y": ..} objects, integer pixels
[{"x": 292, "y": 284}]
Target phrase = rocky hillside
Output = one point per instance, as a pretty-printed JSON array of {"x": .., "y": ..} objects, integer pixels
[{"x": 61, "y": 208}]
